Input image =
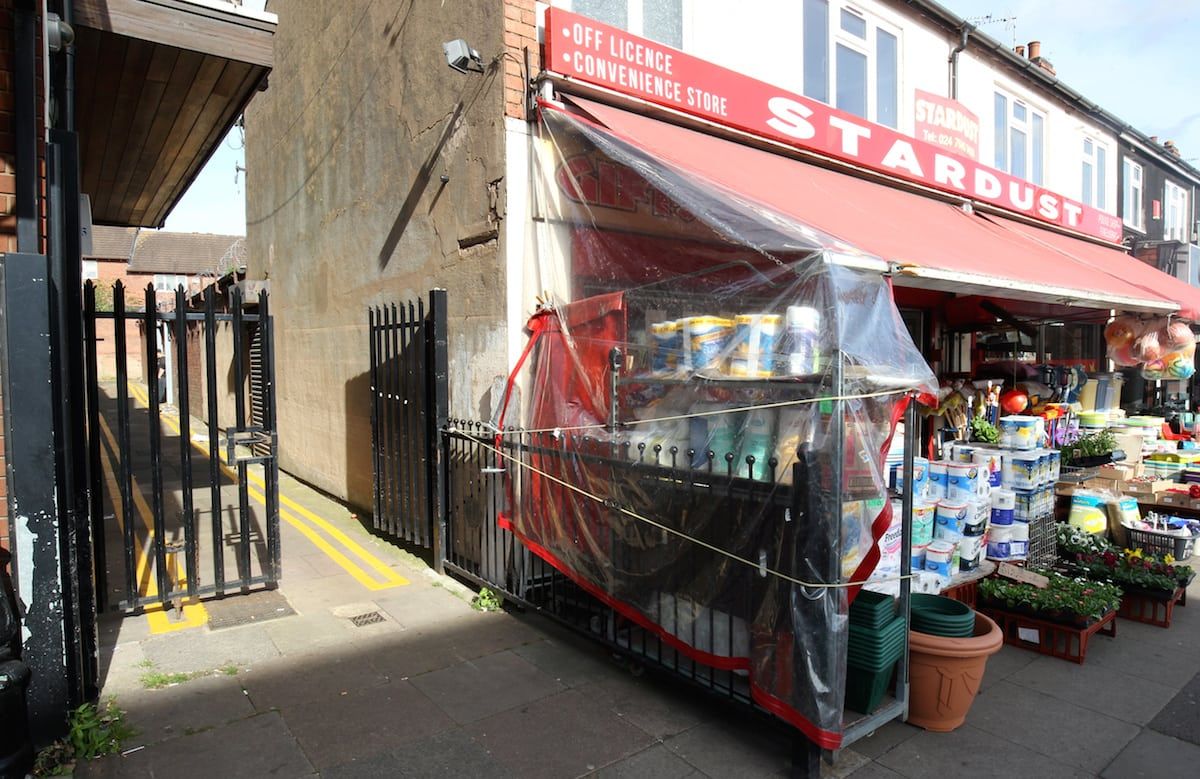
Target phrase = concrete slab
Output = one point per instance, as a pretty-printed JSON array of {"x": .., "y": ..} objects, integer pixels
[
  {"x": 1181, "y": 717},
  {"x": 969, "y": 751},
  {"x": 1153, "y": 755},
  {"x": 1146, "y": 659},
  {"x": 418, "y": 605},
  {"x": 290, "y": 681},
  {"x": 1008, "y": 661},
  {"x": 660, "y": 707},
  {"x": 527, "y": 740},
  {"x": 885, "y": 739},
  {"x": 1099, "y": 688},
  {"x": 657, "y": 761},
  {"x": 1070, "y": 734},
  {"x": 453, "y": 753},
  {"x": 363, "y": 723},
  {"x": 314, "y": 633},
  {"x": 257, "y": 746},
  {"x": 186, "y": 708},
  {"x": 875, "y": 771},
  {"x": 732, "y": 748},
  {"x": 200, "y": 649},
  {"x": 572, "y": 664},
  {"x": 480, "y": 688}
]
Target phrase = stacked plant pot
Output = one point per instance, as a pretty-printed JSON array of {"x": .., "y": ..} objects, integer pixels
[{"x": 875, "y": 645}]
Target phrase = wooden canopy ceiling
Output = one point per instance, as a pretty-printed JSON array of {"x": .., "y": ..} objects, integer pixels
[{"x": 158, "y": 85}]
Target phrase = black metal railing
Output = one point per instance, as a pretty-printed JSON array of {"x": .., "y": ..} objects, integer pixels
[
  {"x": 149, "y": 462},
  {"x": 409, "y": 404}
]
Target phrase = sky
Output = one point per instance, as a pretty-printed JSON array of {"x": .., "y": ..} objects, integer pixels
[
  {"x": 216, "y": 203},
  {"x": 1135, "y": 58}
]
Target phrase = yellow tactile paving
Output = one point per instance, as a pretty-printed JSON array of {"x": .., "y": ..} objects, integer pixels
[{"x": 385, "y": 578}]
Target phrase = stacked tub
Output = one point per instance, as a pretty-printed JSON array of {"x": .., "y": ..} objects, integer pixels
[{"x": 875, "y": 644}]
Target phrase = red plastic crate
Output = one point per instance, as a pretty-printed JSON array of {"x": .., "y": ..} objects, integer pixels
[
  {"x": 1151, "y": 610},
  {"x": 1050, "y": 638}
]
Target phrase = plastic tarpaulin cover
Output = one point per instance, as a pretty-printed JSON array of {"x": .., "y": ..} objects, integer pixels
[{"x": 712, "y": 387}]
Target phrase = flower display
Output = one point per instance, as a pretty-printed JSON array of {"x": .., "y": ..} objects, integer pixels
[
  {"x": 1099, "y": 559},
  {"x": 1063, "y": 599}
]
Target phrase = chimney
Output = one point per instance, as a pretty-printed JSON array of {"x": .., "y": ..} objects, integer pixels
[
  {"x": 1020, "y": 50},
  {"x": 1154, "y": 138},
  {"x": 1171, "y": 147},
  {"x": 1035, "y": 50}
]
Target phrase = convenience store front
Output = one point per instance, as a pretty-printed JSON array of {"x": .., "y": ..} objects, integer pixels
[{"x": 718, "y": 364}]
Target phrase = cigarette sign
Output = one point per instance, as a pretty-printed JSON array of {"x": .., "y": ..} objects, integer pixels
[
  {"x": 606, "y": 56},
  {"x": 944, "y": 122}
]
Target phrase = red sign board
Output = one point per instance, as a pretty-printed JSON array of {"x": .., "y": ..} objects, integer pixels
[
  {"x": 606, "y": 56},
  {"x": 947, "y": 123}
]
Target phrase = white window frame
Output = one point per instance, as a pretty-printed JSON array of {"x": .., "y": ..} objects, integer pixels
[
  {"x": 168, "y": 282},
  {"x": 1037, "y": 177},
  {"x": 635, "y": 17},
  {"x": 1093, "y": 192},
  {"x": 89, "y": 269},
  {"x": 1175, "y": 201},
  {"x": 1133, "y": 195},
  {"x": 868, "y": 47}
]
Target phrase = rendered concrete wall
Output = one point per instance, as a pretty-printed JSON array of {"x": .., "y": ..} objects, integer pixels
[{"x": 346, "y": 207}]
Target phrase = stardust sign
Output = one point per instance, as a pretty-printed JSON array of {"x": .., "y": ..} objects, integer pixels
[
  {"x": 944, "y": 122},
  {"x": 599, "y": 54}
]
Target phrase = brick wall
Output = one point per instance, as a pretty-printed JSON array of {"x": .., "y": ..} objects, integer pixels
[
  {"x": 8, "y": 225},
  {"x": 8, "y": 170},
  {"x": 520, "y": 32}
]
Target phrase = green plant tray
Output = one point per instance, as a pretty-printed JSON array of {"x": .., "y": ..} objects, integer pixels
[
  {"x": 872, "y": 609},
  {"x": 865, "y": 689},
  {"x": 892, "y": 633}
]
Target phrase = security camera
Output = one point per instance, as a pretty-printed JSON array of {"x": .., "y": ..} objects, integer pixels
[{"x": 461, "y": 57}]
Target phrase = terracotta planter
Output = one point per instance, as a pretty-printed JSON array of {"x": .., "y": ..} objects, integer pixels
[{"x": 945, "y": 673}]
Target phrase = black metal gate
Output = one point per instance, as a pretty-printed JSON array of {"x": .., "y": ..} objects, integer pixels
[
  {"x": 409, "y": 406},
  {"x": 172, "y": 484}
]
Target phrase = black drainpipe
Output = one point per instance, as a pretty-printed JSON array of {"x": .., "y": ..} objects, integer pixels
[{"x": 963, "y": 32}]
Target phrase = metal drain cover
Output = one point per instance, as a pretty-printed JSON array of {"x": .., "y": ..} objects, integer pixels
[{"x": 370, "y": 618}]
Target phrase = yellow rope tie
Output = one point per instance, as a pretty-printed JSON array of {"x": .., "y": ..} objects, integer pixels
[
  {"x": 698, "y": 414},
  {"x": 761, "y": 568}
]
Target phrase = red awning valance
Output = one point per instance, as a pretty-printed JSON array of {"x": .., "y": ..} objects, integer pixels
[{"x": 932, "y": 243}]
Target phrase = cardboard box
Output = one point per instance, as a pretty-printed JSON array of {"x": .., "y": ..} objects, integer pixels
[
  {"x": 1131, "y": 444},
  {"x": 1122, "y": 471},
  {"x": 1148, "y": 489},
  {"x": 1115, "y": 486}
]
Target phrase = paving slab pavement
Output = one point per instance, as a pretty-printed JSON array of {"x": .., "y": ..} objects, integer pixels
[{"x": 433, "y": 688}]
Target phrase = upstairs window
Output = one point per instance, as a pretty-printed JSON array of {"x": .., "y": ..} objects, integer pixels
[
  {"x": 90, "y": 269},
  {"x": 862, "y": 76},
  {"x": 1175, "y": 214},
  {"x": 169, "y": 282},
  {"x": 658, "y": 20},
  {"x": 1020, "y": 138},
  {"x": 1133, "y": 209},
  {"x": 1095, "y": 165}
]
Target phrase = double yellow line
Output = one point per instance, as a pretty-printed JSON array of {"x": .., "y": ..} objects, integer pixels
[
  {"x": 194, "y": 613},
  {"x": 372, "y": 573}
]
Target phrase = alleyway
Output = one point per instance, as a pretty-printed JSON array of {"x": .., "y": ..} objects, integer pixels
[{"x": 364, "y": 663}]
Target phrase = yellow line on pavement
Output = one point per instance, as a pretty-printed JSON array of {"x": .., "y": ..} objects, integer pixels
[
  {"x": 390, "y": 577},
  {"x": 194, "y": 613}
]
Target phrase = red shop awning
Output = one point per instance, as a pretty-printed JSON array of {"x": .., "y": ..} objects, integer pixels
[
  {"x": 1113, "y": 262},
  {"x": 934, "y": 244}
]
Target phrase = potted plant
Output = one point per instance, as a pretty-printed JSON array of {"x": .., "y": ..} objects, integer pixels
[
  {"x": 1133, "y": 570},
  {"x": 1090, "y": 450},
  {"x": 1077, "y": 602}
]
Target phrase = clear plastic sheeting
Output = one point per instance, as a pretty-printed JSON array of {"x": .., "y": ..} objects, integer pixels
[{"x": 711, "y": 389}]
